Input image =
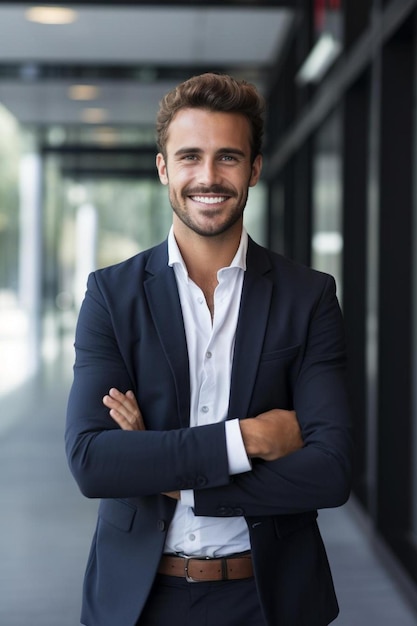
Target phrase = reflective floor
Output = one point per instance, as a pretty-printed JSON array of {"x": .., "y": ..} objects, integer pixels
[{"x": 46, "y": 525}]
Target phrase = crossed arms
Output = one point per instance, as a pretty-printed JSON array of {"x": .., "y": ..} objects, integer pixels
[{"x": 269, "y": 436}]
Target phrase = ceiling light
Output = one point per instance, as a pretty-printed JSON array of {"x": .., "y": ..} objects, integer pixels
[
  {"x": 83, "y": 92},
  {"x": 51, "y": 15},
  {"x": 322, "y": 56},
  {"x": 94, "y": 116},
  {"x": 106, "y": 135}
]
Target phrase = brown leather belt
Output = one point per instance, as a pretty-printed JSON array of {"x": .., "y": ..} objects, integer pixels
[{"x": 196, "y": 570}]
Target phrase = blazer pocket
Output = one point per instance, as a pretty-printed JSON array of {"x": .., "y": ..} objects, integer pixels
[
  {"x": 285, "y": 353},
  {"x": 118, "y": 513}
]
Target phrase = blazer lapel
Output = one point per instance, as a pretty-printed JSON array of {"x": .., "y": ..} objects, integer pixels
[
  {"x": 164, "y": 304},
  {"x": 250, "y": 332}
]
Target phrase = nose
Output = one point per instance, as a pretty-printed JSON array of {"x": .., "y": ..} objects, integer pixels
[{"x": 208, "y": 173}]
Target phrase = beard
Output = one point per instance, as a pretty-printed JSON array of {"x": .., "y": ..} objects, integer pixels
[{"x": 212, "y": 226}]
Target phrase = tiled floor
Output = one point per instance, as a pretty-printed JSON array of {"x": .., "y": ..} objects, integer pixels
[{"x": 46, "y": 525}]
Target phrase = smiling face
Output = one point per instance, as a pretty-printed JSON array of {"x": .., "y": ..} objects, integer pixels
[{"x": 208, "y": 170}]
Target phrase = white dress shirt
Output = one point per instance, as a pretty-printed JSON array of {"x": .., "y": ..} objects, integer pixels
[{"x": 210, "y": 344}]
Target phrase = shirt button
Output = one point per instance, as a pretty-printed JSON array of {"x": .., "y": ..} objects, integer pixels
[
  {"x": 191, "y": 537},
  {"x": 204, "y": 409},
  {"x": 208, "y": 355},
  {"x": 200, "y": 300}
]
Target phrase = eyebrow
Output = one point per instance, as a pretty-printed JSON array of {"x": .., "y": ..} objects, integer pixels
[{"x": 224, "y": 150}]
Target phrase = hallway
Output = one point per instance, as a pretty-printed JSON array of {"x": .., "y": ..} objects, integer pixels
[{"x": 46, "y": 525}]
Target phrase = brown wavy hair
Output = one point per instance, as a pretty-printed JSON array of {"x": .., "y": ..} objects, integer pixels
[{"x": 214, "y": 92}]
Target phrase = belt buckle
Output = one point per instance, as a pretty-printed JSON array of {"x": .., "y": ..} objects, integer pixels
[{"x": 189, "y": 578}]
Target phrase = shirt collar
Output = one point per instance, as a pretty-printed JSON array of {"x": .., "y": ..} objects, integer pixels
[{"x": 175, "y": 258}]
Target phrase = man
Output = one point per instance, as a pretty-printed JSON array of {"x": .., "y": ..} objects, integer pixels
[{"x": 208, "y": 408}]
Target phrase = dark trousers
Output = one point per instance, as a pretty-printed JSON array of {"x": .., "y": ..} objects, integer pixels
[{"x": 225, "y": 603}]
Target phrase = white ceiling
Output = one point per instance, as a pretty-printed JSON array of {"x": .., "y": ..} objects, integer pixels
[{"x": 143, "y": 37}]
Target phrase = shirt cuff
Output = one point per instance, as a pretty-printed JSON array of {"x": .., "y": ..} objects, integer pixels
[
  {"x": 187, "y": 497},
  {"x": 238, "y": 459}
]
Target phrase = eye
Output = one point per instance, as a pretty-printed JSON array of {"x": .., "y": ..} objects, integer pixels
[{"x": 228, "y": 158}]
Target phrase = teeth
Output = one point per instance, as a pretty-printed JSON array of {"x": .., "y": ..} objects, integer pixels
[{"x": 209, "y": 200}]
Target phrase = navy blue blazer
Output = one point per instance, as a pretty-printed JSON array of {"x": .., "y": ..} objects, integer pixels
[{"x": 289, "y": 353}]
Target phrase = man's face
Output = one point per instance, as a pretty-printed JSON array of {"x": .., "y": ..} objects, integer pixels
[{"x": 208, "y": 169}]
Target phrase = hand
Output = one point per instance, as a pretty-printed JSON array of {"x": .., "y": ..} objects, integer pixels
[
  {"x": 271, "y": 435},
  {"x": 175, "y": 495},
  {"x": 124, "y": 409}
]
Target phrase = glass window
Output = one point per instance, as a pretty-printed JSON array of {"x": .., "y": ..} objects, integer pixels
[
  {"x": 255, "y": 216},
  {"x": 88, "y": 224},
  {"x": 414, "y": 347},
  {"x": 327, "y": 212},
  {"x": 13, "y": 318}
]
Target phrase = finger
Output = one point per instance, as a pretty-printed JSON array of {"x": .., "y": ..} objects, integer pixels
[
  {"x": 127, "y": 399},
  {"x": 120, "y": 420},
  {"x": 117, "y": 399},
  {"x": 175, "y": 495},
  {"x": 117, "y": 395},
  {"x": 120, "y": 408},
  {"x": 128, "y": 417},
  {"x": 108, "y": 401},
  {"x": 135, "y": 409},
  {"x": 111, "y": 403}
]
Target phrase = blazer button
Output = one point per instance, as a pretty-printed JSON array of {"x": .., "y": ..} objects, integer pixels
[
  {"x": 161, "y": 524},
  {"x": 225, "y": 511}
]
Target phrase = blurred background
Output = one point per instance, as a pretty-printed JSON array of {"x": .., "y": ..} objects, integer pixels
[{"x": 79, "y": 90}]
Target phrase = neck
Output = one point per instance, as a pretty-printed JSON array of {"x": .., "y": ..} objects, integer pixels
[{"x": 205, "y": 256}]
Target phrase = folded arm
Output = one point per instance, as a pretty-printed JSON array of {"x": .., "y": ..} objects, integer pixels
[{"x": 268, "y": 436}]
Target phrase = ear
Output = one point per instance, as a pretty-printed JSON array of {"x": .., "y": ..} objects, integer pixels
[
  {"x": 162, "y": 168},
  {"x": 256, "y": 170}
]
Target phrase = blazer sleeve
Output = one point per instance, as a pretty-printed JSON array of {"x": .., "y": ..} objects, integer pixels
[
  {"x": 108, "y": 462},
  {"x": 318, "y": 475}
]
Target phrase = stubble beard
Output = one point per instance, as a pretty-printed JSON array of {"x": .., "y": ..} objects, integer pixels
[{"x": 234, "y": 215}]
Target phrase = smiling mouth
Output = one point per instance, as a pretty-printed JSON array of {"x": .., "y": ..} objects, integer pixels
[{"x": 209, "y": 199}]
